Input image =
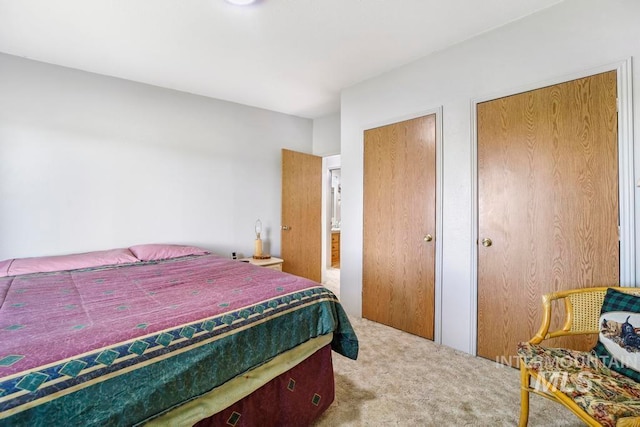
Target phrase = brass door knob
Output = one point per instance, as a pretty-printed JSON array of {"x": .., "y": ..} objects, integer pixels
[
  {"x": 486, "y": 242},
  {"x": 428, "y": 238},
  {"x": 285, "y": 228}
]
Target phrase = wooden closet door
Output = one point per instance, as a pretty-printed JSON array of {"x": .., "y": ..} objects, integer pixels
[
  {"x": 399, "y": 214},
  {"x": 548, "y": 201}
]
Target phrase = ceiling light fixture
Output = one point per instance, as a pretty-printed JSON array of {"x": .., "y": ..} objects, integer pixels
[{"x": 241, "y": 2}]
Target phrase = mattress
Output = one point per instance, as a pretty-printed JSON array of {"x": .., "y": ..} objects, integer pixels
[
  {"x": 124, "y": 344},
  {"x": 292, "y": 389}
]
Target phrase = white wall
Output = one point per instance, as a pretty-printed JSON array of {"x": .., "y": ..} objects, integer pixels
[
  {"x": 570, "y": 38},
  {"x": 92, "y": 162},
  {"x": 326, "y": 135}
]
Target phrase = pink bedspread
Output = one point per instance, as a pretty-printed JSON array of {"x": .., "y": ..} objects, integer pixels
[
  {"x": 48, "y": 317},
  {"x": 119, "y": 345}
]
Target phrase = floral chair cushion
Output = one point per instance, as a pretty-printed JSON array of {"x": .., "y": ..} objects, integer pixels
[{"x": 605, "y": 395}]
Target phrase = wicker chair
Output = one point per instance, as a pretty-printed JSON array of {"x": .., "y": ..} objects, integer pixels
[{"x": 582, "y": 314}]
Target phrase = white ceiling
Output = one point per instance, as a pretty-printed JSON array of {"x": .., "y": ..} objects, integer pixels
[{"x": 291, "y": 56}]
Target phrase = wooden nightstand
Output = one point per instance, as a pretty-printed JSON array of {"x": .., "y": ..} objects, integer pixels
[{"x": 272, "y": 263}]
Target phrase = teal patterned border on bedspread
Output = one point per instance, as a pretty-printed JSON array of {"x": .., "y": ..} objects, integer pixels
[
  {"x": 188, "y": 361},
  {"x": 134, "y": 380}
]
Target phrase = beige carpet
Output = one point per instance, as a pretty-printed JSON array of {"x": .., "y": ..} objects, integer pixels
[
  {"x": 404, "y": 380},
  {"x": 332, "y": 280}
]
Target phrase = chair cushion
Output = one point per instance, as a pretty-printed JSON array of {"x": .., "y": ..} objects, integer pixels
[
  {"x": 606, "y": 412},
  {"x": 619, "y": 339},
  {"x": 605, "y": 395}
]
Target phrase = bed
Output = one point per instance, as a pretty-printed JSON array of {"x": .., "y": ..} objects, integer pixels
[{"x": 164, "y": 335}]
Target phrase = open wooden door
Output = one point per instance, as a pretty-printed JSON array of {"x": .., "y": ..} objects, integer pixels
[
  {"x": 548, "y": 205},
  {"x": 301, "y": 234}
]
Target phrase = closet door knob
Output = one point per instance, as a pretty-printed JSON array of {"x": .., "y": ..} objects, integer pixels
[
  {"x": 285, "y": 228},
  {"x": 486, "y": 242},
  {"x": 428, "y": 238}
]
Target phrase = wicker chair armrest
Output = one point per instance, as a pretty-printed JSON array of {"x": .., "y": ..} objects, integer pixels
[
  {"x": 582, "y": 312},
  {"x": 543, "y": 331}
]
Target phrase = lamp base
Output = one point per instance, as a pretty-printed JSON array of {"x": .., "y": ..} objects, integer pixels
[{"x": 261, "y": 256}]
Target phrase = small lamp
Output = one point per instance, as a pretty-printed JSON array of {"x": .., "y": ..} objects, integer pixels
[{"x": 257, "y": 252}]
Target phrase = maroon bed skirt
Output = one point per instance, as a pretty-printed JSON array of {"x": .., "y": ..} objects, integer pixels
[{"x": 295, "y": 398}]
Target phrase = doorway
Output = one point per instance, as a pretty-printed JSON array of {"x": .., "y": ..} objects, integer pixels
[
  {"x": 331, "y": 222},
  {"x": 336, "y": 222}
]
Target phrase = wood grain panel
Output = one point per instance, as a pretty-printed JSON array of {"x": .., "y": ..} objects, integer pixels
[
  {"x": 301, "y": 210},
  {"x": 335, "y": 249},
  {"x": 399, "y": 210},
  {"x": 548, "y": 199}
]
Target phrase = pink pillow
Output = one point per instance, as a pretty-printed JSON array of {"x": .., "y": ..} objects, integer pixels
[
  {"x": 4, "y": 267},
  {"x": 155, "y": 252},
  {"x": 70, "y": 262}
]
